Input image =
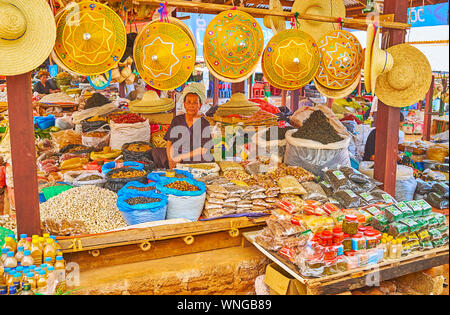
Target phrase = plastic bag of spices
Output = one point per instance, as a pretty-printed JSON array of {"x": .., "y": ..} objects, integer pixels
[
  {"x": 437, "y": 201},
  {"x": 347, "y": 198},
  {"x": 363, "y": 182},
  {"x": 290, "y": 185},
  {"x": 115, "y": 183},
  {"x": 337, "y": 180},
  {"x": 441, "y": 189},
  {"x": 314, "y": 191}
]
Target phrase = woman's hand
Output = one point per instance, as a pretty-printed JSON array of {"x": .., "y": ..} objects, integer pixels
[{"x": 173, "y": 162}]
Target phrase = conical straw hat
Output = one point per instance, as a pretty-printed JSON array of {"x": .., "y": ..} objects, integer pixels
[
  {"x": 238, "y": 105},
  {"x": 233, "y": 45},
  {"x": 91, "y": 38},
  {"x": 151, "y": 99},
  {"x": 409, "y": 79},
  {"x": 368, "y": 57},
  {"x": 276, "y": 23},
  {"x": 337, "y": 94},
  {"x": 381, "y": 61},
  {"x": 27, "y": 35},
  {"x": 164, "y": 55},
  {"x": 332, "y": 8},
  {"x": 342, "y": 59}
]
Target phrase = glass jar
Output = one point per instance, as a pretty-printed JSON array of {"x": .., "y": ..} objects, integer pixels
[
  {"x": 338, "y": 236},
  {"x": 350, "y": 225},
  {"x": 341, "y": 264},
  {"x": 347, "y": 242},
  {"x": 358, "y": 242},
  {"x": 326, "y": 238},
  {"x": 371, "y": 239}
]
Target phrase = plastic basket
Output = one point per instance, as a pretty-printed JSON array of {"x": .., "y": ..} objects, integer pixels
[{"x": 142, "y": 213}]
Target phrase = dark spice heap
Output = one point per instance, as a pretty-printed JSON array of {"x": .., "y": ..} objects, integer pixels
[
  {"x": 275, "y": 131},
  {"x": 149, "y": 188},
  {"x": 141, "y": 200},
  {"x": 317, "y": 128}
]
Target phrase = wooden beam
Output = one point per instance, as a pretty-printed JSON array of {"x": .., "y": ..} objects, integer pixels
[
  {"x": 428, "y": 115},
  {"x": 238, "y": 87},
  {"x": 388, "y": 118},
  {"x": 23, "y": 154},
  {"x": 215, "y": 91}
]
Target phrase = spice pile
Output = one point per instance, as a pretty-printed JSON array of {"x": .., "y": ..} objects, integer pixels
[
  {"x": 8, "y": 223},
  {"x": 149, "y": 188},
  {"x": 318, "y": 128},
  {"x": 141, "y": 200},
  {"x": 182, "y": 186},
  {"x": 128, "y": 119},
  {"x": 129, "y": 174},
  {"x": 92, "y": 206}
]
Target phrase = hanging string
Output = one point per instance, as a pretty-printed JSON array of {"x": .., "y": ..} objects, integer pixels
[
  {"x": 341, "y": 23},
  {"x": 295, "y": 23},
  {"x": 163, "y": 13}
]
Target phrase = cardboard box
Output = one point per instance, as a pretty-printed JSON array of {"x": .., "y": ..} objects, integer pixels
[{"x": 282, "y": 283}]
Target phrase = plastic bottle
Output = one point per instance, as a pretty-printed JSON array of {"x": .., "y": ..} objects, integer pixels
[
  {"x": 5, "y": 276},
  {"x": 19, "y": 255},
  {"x": 48, "y": 261},
  {"x": 385, "y": 248},
  {"x": 12, "y": 290},
  {"x": 26, "y": 289},
  {"x": 22, "y": 241},
  {"x": 393, "y": 250},
  {"x": 50, "y": 250},
  {"x": 2, "y": 274},
  {"x": 3, "y": 290},
  {"x": 42, "y": 281},
  {"x": 10, "y": 261},
  {"x": 27, "y": 259},
  {"x": 36, "y": 252},
  {"x": 28, "y": 243},
  {"x": 399, "y": 249},
  {"x": 60, "y": 270},
  {"x": 42, "y": 243},
  {"x": 44, "y": 267},
  {"x": 29, "y": 277},
  {"x": 4, "y": 253},
  {"x": 17, "y": 280},
  {"x": 10, "y": 244},
  {"x": 10, "y": 278}
]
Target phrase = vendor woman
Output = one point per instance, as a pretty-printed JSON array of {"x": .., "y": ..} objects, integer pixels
[
  {"x": 189, "y": 135},
  {"x": 43, "y": 86}
]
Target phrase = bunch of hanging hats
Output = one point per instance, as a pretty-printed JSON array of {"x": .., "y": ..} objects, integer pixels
[
  {"x": 291, "y": 59},
  {"x": 152, "y": 104},
  {"x": 165, "y": 53},
  {"x": 91, "y": 38},
  {"x": 27, "y": 35},
  {"x": 331, "y": 8},
  {"x": 275, "y": 23},
  {"x": 237, "y": 105},
  {"x": 233, "y": 46},
  {"x": 342, "y": 61},
  {"x": 400, "y": 75}
]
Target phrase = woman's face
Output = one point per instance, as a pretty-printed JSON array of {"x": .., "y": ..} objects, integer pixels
[
  {"x": 192, "y": 104},
  {"x": 43, "y": 79}
]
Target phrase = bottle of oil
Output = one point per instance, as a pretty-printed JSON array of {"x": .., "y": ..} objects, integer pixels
[
  {"x": 22, "y": 241},
  {"x": 50, "y": 250},
  {"x": 26, "y": 290},
  {"x": 60, "y": 270},
  {"x": 30, "y": 278},
  {"x": 4, "y": 253},
  {"x": 36, "y": 252},
  {"x": 20, "y": 254},
  {"x": 10, "y": 244},
  {"x": 42, "y": 281},
  {"x": 27, "y": 260},
  {"x": 10, "y": 261}
]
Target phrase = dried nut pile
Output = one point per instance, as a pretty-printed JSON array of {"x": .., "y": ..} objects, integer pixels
[
  {"x": 94, "y": 206},
  {"x": 141, "y": 200},
  {"x": 8, "y": 223},
  {"x": 149, "y": 188},
  {"x": 182, "y": 186},
  {"x": 135, "y": 147},
  {"x": 128, "y": 174},
  {"x": 236, "y": 175}
]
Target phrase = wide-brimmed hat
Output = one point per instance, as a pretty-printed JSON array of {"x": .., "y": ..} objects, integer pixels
[
  {"x": 238, "y": 105},
  {"x": 27, "y": 35},
  {"x": 331, "y": 8},
  {"x": 152, "y": 103},
  {"x": 233, "y": 45},
  {"x": 367, "y": 57},
  {"x": 164, "y": 54},
  {"x": 342, "y": 59},
  {"x": 291, "y": 59},
  {"x": 337, "y": 94},
  {"x": 409, "y": 79},
  {"x": 276, "y": 23},
  {"x": 381, "y": 61},
  {"x": 91, "y": 38}
]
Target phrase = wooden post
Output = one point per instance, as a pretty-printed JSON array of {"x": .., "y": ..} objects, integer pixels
[
  {"x": 359, "y": 87},
  {"x": 283, "y": 97},
  {"x": 428, "y": 112},
  {"x": 238, "y": 87},
  {"x": 250, "y": 86},
  {"x": 295, "y": 98},
  {"x": 388, "y": 118},
  {"x": 215, "y": 92},
  {"x": 23, "y": 154}
]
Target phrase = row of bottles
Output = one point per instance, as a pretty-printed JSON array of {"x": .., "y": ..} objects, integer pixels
[{"x": 26, "y": 266}]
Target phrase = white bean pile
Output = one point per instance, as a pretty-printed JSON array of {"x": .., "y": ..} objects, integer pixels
[{"x": 94, "y": 206}]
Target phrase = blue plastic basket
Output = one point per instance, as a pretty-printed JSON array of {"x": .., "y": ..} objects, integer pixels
[
  {"x": 44, "y": 122},
  {"x": 125, "y": 191},
  {"x": 142, "y": 213}
]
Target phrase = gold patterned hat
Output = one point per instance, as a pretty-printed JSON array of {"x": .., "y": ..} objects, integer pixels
[
  {"x": 337, "y": 94},
  {"x": 91, "y": 38},
  {"x": 342, "y": 59},
  {"x": 291, "y": 59},
  {"x": 331, "y": 8},
  {"x": 164, "y": 54},
  {"x": 27, "y": 35},
  {"x": 233, "y": 45},
  {"x": 409, "y": 79},
  {"x": 151, "y": 103}
]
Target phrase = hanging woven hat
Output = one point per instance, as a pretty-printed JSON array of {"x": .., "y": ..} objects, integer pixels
[
  {"x": 331, "y": 8},
  {"x": 291, "y": 59},
  {"x": 368, "y": 56},
  {"x": 275, "y": 23},
  {"x": 164, "y": 54},
  {"x": 238, "y": 105},
  {"x": 27, "y": 35},
  {"x": 337, "y": 94},
  {"x": 342, "y": 59},
  {"x": 151, "y": 103},
  {"x": 233, "y": 45},
  {"x": 381, "y": 61},
  {"x": 91, "y": 38},
  {"x": 409, "y": 79}
]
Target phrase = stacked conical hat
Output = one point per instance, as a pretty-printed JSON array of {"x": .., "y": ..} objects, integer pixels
[
  {"x": 238, "y": 105},
  {"x": 151, "y": 104}
]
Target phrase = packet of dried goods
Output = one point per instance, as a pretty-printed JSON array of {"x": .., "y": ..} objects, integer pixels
[
  {"x": 347, "y": 198},
  {"x": 393, "y": 214},
  {"x": 290, "y": 185},
  {"x": 287, "y": 207},
  {"x": 337, "y": 180},
  {"x": 398, "y": 229},
  {"x": 314, "y": 192}
]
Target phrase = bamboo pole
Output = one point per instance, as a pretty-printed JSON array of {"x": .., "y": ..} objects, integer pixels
[{"x": 217, "y": 8}]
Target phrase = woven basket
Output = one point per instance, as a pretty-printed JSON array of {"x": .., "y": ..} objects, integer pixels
[{"x": 62, "y": 82}]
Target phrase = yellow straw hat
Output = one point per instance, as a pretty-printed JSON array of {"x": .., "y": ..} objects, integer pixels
[
  {"x": 276, "y": 23},
  {"x": 291, "y": 59},
  {"x": 337, "y": 94},
  {"x": 332, "y": 8},
  {"x": 233, "y": 45},
  {"x": 27, "y": 35},
  {"x": 164, "y": 54},
  {"x": 342, "y": 59},
  {"x": 409, "y": 79},
  {"x": 238, "y": 105},
  {"x": 151, "y": 103},
  {"x": 381, "y": 61},
  {"x": 368, "y": 57},
  {"x": 91, "y": 38}
]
